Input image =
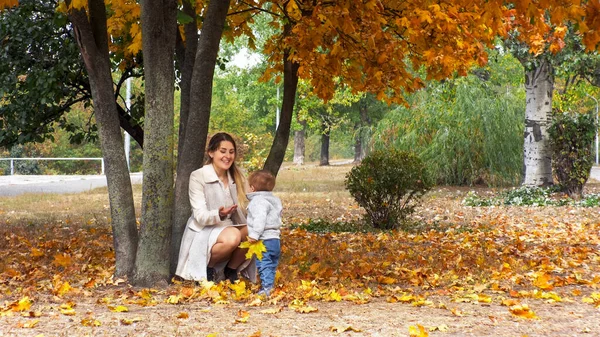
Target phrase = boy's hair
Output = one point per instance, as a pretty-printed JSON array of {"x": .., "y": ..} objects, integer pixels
[{"x": 262, "y": 180}]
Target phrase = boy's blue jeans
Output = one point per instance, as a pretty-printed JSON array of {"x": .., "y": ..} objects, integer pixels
[{"x": 268, "y": 265}]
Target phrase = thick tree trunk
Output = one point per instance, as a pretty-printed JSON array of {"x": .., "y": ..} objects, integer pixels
[
  {"x": 191, "y": 154},
  {"x": 325, "y": 136},
  {"x": 299, "y": 145},
  {"x": 159, "y": 26},
  {"x": 537, "y": 156},
  {"x": 92, "y": 38},
  {"x": 282, "y": 136}
]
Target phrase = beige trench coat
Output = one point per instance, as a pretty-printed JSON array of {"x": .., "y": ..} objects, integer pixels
[{"x": 206, "y": 196}]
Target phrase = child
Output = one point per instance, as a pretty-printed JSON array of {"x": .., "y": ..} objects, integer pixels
[{"x": 264, "y": 221}]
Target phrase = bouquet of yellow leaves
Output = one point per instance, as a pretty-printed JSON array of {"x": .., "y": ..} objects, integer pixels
[{"x": 254, "y": 248}]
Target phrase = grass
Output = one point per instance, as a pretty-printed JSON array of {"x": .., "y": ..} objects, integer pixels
[{"x": 307, "y": 191}]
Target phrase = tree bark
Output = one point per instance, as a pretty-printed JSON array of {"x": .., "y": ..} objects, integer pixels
[
  {"x": 191, "y": 154},
  {"x": 537, "y": 155},
  {"x": 159, "y": 26},
  {"x": 92, "y": 38},
  {"x": 186, "y": 56},
  {"x": 282, "y": 136},
  {"x": 299, "y": 145},
  {"x": 325, "y": 136},
  {"x": 361, "y": 133}
]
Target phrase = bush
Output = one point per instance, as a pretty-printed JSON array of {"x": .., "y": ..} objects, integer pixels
[
  {"x": 571, "y": 138},
  {"x": 388, "y": 185}
]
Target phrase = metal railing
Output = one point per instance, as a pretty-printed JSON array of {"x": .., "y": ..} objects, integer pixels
[{"x": 12, "y": 162}]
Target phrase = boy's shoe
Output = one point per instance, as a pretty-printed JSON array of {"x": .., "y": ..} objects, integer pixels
[
  {"x": 231, "y": 274},
  {"x": 210, "y": 273},
  {"x": 264, "y": 292}
]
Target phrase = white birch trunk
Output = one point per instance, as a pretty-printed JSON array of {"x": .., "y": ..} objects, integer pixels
[{"x": 537, "y": 156}]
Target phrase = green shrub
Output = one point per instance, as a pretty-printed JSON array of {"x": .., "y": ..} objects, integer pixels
[
  {"x": 388, "y": 185},
  {"x": 571, "y": 137}
]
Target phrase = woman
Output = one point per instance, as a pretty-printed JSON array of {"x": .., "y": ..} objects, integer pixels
[{"x": 209, "y": 246}]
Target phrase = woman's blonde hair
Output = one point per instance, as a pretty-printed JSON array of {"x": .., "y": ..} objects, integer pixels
[{"x": 236, "y": 173}]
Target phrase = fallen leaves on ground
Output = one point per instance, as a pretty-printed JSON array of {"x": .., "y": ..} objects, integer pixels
[{"x": 496, "y": 255}]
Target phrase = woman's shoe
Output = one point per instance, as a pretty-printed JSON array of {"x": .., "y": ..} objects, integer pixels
[
  {"x": 231, "y": 274},
  {"x": 210, "y": 273}
]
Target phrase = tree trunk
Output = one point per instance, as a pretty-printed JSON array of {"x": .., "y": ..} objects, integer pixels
[
  {"x": 325, "y": 136},
  {"x": 537, "y": 156},
  {"x": 186, "y": 56},
  {"x": 194, "y": 143},
  {"x": 159, "y": 26},
  {"x": 299, "y": 145},
  {"x": 362, "y": 133},
  {"x": 282, "y": 136},
  {"x": 358, "y": 147},
  {"x": 92, "y": 38}
]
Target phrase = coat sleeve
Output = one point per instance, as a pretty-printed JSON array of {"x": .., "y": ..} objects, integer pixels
[
  {"x": 257, "y": 217},
  {"x": 200, "y": 211}
]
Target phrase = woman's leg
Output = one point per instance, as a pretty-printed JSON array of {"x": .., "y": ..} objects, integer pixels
[
  {"x": 239, "y": 255},
  {"x": 227, "y": 242}
]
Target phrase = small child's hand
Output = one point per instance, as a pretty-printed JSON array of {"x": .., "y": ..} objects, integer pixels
[{"x": 251, "y": 240}]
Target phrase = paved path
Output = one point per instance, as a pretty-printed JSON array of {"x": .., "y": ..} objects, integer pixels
[{"x": 20, "y": 184}]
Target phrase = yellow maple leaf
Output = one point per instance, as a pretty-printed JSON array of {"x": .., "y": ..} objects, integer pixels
[
  {"x": 254, "y": 248},
  {"x": 30, "y": 325},
  {"x": 118, "y": 308},
  {"x": 274, "y": 310},
  {"x": 21, "y": 305},
  {"x": 239, "y": 288},
  {"x": 67, "y": 309},
  {"x": 183, "y": 315},
  {"x": 243, "y": 316},
  {"x": 344, "y": 328},
  {"x": 523, "y": 311},
  {"x": 417, "y": 331},
  {"x": 90, "y": 322},
  {"x": 63, "y": 289}
]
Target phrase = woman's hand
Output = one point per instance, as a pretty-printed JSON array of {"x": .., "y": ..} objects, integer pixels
[{"x": 224, "y": 212}]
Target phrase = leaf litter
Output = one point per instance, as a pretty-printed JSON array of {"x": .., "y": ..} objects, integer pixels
[{"x": 466, "y": 271}]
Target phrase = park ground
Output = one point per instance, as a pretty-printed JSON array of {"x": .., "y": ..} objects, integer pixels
[{"x": 466, "y": 271}]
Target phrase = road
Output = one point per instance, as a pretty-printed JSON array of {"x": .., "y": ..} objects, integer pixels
[{"x": 20, "y": 184}]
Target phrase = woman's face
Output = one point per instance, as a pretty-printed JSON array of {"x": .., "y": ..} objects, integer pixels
[{"x": 223, "y": 156}]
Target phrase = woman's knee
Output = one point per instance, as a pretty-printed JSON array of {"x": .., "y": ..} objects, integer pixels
[{"x": 230, "y": 237}]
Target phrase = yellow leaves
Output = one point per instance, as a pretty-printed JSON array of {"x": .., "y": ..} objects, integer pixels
[
  {"x": 254, "y": 248},
  {"x": 30, "y": 324},
  {"x": 293, "y": 10},
  {"x": 67, "y": 309},
  {"x": 417, "y": 331},
  {"x": 88, "y": 321},
  {"x": 522, "y": 311},
  {"x": 542, "y": 281},
  {"x": 272, "y": 311},
  {"x": 17, "y": 306},
  {"x": 118, "y": 308},
  {"x": 344, "y": 328},
  {"x": 61, "y": 290},
  {"x": 593, "y": 299},
  {"x": 243, "y": 317},
  {"x": 301, "y": 307}
]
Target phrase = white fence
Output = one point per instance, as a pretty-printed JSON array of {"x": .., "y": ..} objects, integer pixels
[{"x": 12, "y": 162}]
